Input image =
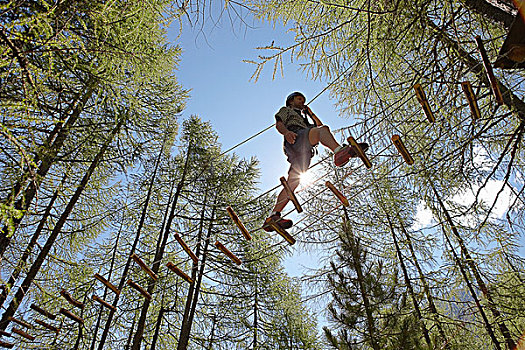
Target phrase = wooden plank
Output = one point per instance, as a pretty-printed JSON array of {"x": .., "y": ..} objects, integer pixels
[
  {"x": 359, "y": 152},
  {"x": 144, "y": 267},
  {"x": 471, "y": 98},
  {"x": 103, "y": 302},
  {"x": 179, "y": 272},
  {"x": 138, "y": 288},
  {"x": 282, "y": 232},
  {"x": 291, "y": 195},
  {"x": 228, "y": 253},
  {"x": 20, "y": 322},
  {"x": 239, "y": 223},
  {"x": 72, "y": 300},
  {"x": 5, "y": 344},
  {"x": 402, "y": 149},
  {"x": 4, "y": 333},
  {"x": 71, "y": 315},
  {"x": 337, "y": 193},
  {"x": 186, "y": 248},
  {"x": 48, "y": 326},
  {"x": 43, "y": 312},
  {"x": 490, "y": 73},
  {"x": 22, "y": 333},
  {"x": 107, "y": 284},
  {"x": 422, "y": 98}
]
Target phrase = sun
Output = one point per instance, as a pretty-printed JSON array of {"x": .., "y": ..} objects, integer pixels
[{"x": 306, "y": 178}]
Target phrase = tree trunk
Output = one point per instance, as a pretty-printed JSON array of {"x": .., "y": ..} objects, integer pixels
[
  {"x": 497, "y": 14},
  {"x": 124, "y": 276},
  {"x": 474, "y": 269},
  {"x": 163, "y": 239},
  {"x": 55, "y": 142},
  {"x": 21, "y": 292}
]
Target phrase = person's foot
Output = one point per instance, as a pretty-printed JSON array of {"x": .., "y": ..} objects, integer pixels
[
  {"x": 276, "y": 216},
  {"x": 343, "y": 155}
]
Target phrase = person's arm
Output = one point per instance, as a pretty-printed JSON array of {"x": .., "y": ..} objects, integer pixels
[
  {"x": 317, "y": 121},
  {"x": 288, "y": 134}
]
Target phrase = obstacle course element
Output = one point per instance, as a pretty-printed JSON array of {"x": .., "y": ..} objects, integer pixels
[
  {"x": 402, "y": 149},
  {"x": 359, "y": 151},
  {"x": 228, "y": 253},
  {"x": 337, "y": 193},
  {"x": 6, "y": 345},
  {"x": 422, "y": 98},
  {"x": 471, "y": 98},
  {"x": 4, "y": 333},
  {"x": 48, "y": 326},
  {"x": 23, "y": 334},
  {"x": 107, "y": 284},
  {"x": 144, "y": 267},
  {"x": 179, "y": 272},
  {"x": 291, "y": 195},
  {"x": 72, "y": 300},
  {"x": 239, "y": 224},
  {"x": 490, "y": 73},
  {"x": 138, "y": 288},
  {"x": 71, "y": 316},
  {"x": 281, "y": 231},
  {"x": 20, "y": 322},
  {"x": 43, "y": 312},
  {"x": 103, "y": 302},
  {"x": 512, "y": 52},
  {"x": 186, "y": 248}
]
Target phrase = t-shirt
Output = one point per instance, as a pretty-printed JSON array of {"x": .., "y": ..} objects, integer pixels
[{"x": 293, "y": 119}]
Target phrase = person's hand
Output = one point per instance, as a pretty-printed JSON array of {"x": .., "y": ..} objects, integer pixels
[
  {"x": 290, "y": 136},
  {"x": 308, "y": 111}
]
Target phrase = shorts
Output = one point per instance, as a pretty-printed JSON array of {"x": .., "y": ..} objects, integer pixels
[{"x": 300, "y": 153}]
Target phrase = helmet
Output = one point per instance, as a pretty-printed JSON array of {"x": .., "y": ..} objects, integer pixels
[{"x": 292, "y": 95}]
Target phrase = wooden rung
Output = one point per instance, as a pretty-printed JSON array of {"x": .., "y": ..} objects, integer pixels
[
  {"x": 103, "y": 302},
  {"x": 23, "y": 334},
  {"x": 138, "y": 288},
  {"x": 422, "y": 98},
  {"x": 490, "y": 73},
  {"x": 359, "y": 152},
  {"x": 186, "y": 248},
  {"x": 144, "y": 267},
  {"x": 107, "y": 284},
  {"x": 4, "y": 333},
  {"x": 48, "y": 326},
  {"x": 72, "y": 300},
  {"x": 402, "y": 149},
  {"x": 471, "y": 98},
  {"x": 281, "y": 231},
  {"x": 228, "y": 253},
  {"x": 6, "y": 345},
  {"x": 20, "y": 322},
  {"x": 291, "y": 195},
  {"x": 71, "y": 315},
  {"x": 179, "y": 272},
  {"x": 43, "y": 312},
  {"x": 239, "y": 223},
  {"x": 337, "y": 193}
]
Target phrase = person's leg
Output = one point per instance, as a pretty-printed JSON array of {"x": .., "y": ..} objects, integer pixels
[
  {"x": 324, "y": 135},
  {"x": 282, "y": 198}
]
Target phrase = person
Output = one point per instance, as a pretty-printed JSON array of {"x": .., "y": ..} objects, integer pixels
[{"x": 300, "y": 138}]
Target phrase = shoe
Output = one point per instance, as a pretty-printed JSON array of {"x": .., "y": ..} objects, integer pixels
[
  {"x": 342, "y": 156},
  {"x": 284, "y": 223}
]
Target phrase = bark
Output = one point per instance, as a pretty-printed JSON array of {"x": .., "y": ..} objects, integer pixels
[
  {"x": 477, "y": 275},
  {"x": 163, "y": 239},
  {"x": 54, "y": 142},
  {"x": 29, "y": 249},
  {"x": 360, "y": 279},
  {"x": 35, "y": 268},
  {"x": 124, "y": 276},
  {"x": 409, "y": 285},
  {"x": 157, "y": 328},
  {"x": 498, "y": 14}
]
